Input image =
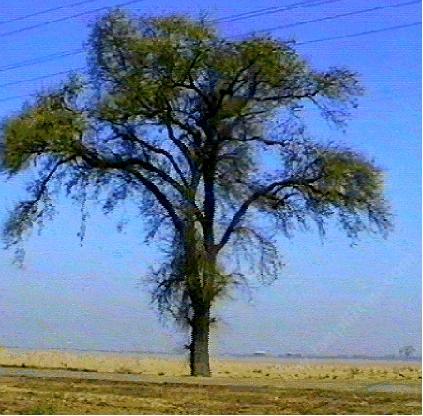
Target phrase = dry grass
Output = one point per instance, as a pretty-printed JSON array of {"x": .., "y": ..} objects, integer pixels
[
  {"x": 104, "y": 363},
  {"x": 26, "y": 395},
  {"x": 259, "y": 369},
  {"x": 160, "y": 385}
]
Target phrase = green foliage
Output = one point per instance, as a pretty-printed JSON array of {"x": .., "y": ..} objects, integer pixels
[
  {"x": 351, "y": 185},
  {"x": 42, "y": 409},
  {"x": 47, "y": 127},
  {"x": 182, "y": 123},
  {"x": 349, "y": 179}
]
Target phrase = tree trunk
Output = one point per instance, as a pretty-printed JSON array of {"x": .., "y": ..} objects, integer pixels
[{"x": 199, "y": 347}]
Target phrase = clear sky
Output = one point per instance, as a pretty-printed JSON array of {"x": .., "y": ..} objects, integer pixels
[{"x": 330, "y": 298}]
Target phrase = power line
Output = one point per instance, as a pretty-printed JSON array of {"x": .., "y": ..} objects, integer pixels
[
  {"x": 325, "y": 18},
  {"x": 62, "y": 19},
  {"x": 353, "y": 35},
  {"x": 42, "y": 59},
  {"x": 240, "y": 16},
  {"x": 271, "y": 10},
  {"x": 350, "y": 35},
  {"x": 64, "y": 54},
  {"x": 22, "y": 81},
  {"x": 45, "y": 11},
  {"x": 247, "y": 14}
]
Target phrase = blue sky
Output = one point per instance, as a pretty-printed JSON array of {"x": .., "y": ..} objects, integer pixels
[{"x": 330, "y": 298}]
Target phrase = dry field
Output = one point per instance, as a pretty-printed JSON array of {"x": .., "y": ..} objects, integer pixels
[
  {"x": 175, "y": 367},
  {"x": 118, "y": 384}
]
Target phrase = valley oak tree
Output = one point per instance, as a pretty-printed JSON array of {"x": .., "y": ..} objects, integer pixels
[{"x": 207, "y": 137}]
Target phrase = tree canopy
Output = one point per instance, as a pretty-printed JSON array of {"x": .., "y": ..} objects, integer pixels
[{"x": 208, "y": 137}]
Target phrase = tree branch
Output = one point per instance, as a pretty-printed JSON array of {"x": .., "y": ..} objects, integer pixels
[
  {"x": 42, "y": 188},
  {"x": 191, "y": 85},
  {"x": 131, "y": 163},
  {"x": 158, "y": 150},
  {"x": 180, "y": 145},
  {"x": 96, "y": 162},
  {"x": 310, "y": 95},
  {"x": 161, "y": 198},
  {"x": 291, "y": 182}
]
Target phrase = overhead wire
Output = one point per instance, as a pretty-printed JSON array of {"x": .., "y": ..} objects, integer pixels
[
  {"x": 353, "y": 35},
  {"x": 326, "y": 18},
  {"x": 22, "y": 81},
  {"x": 350, "y": 35},
  {"x": 62, "y": 19},
  {"x": 239, "y": 16},
  {"x": 271, "y": 10},
  {"x": 310, "y": 2},
  {"x": 42, "y": 59},
  {"x": 45, "y": 11}
]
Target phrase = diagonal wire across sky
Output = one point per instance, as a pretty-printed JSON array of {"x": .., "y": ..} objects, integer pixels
[{"x": 225, "y": 19}]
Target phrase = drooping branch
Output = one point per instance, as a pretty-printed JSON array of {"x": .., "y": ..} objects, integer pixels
[
  {"x": 292, "y": 96},
  {"x": 28, "y": 212},
  {"x": 161, "y": 198},
  {"x": 266, "y": 190},
  {"x": 95, "y": 161},
  {"x": 42, "y": 187},
  {"x": 134, "y": 162}
]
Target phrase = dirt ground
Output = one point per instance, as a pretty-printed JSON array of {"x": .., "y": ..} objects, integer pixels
[{"x": 112, "y": 394}]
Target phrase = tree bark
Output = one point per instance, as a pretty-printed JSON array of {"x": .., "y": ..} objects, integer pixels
[{"x": 199, "y": 347}]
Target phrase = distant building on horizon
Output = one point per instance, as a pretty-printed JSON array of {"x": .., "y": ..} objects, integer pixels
[{"x": 292, "y": 355}]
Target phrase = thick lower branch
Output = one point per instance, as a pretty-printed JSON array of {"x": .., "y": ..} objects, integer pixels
[
  {"x": 155, "y": 149},
  {"x": 95, "y": 162}
]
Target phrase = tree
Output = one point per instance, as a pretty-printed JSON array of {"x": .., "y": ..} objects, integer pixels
[
  {"x": 207, "y": 137},
  {"x": 407, "y": 351}
]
